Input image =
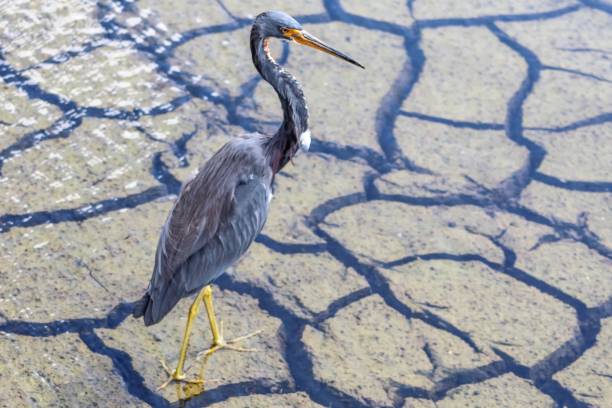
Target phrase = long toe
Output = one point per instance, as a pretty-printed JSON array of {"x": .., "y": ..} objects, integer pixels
[
  {"x": 228, "y": 345},
  {"x": 242, "y": 338},
  {"x": 175, "y": 377}
]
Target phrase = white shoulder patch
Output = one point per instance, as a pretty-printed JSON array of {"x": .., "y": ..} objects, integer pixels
[{"x": 305, "y": 140}]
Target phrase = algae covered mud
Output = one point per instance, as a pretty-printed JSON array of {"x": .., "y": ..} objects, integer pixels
[{"x": 447, "y": 242}]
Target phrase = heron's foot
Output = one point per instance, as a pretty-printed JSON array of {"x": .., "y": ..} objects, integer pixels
[
  {"x": 176, "y": 377},
  {"x": 222, "y": 344}
]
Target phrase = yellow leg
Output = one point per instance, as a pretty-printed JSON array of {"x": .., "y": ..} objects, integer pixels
[
  {"x": 219, "y": 342},
  {"x": 210, "y": 311},
  {"x": 196, "y": 386},
  {"x": 178, "y": 374}
]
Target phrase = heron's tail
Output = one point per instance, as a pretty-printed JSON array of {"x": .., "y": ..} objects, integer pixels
[
  {"x": 155, "y": 310},
  {"x": 140, "y": 306}
]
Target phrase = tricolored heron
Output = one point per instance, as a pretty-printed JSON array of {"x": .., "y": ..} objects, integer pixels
[{"x": 218, "y": 214}]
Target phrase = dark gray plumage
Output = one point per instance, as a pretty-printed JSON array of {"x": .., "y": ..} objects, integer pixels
[
  {"x": 218, "y": 214},
  {"x": 216, "y": 217}
]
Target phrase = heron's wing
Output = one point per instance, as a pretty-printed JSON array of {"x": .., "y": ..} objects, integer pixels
[
  {"x": 193, "y": 221},
  {"x": 233, "y": 238},
  {"x": 216, "y": 217},
  {"x": 204, "y": 204}
]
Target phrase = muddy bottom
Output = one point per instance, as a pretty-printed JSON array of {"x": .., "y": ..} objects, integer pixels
[{"x": 446, "y": 242}]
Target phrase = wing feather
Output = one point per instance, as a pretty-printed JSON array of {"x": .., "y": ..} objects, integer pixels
[{"x": 215, "y": 219}]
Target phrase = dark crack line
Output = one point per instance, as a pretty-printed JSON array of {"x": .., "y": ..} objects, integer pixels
[
  {"x": 380, "y": 286},
  {"x": 602, "y": 311},
  {"x": 79, "y": 262},
  {"x": 512, "y": 187},
  {"x": 467, "y": 376},
  {"x": 66, "y": 56},
  {"x": 73, "y": 118},
  {"x": 61, "y": 128},
  {"x": 115, "y": 32},
  {"x": 134, "y": 115},
  {"x": 583, "y": 49},
  {"x": 455, "y": 379},
  {"x": 338, "y": 305},
  {"x": 336, "y": 12},
  {"x": 389, "y": 107},
  {"x": 594, "y": 121},
  {"x": 122, "y": 363},
  {"x": 509, "y": 270},
  {"x": 289, "y": 248},
  {"x": 227, "y": 11},
  {"x": 576, "y": 72},
  {"x": 391, "y": 103},
  {"x": 319, "y": 214},
  {"x": 586, "y": 186},
  {"x": 179, "y": 147},
  {"x": 169, "y": 185},
  {"x": 11, "y": 76},
  {"x": 410, "y": 5},
  {"x": 453, "y": 123},
  {"x": 589, "y": 325},
  {"x": 194, "y": 33},
  {"x": 82, "y": 213},
  {"x": 603, "y": 375},
  {"x": 565, "y": 230},
  {"x": 550, "y": 387},
  {"x": 298, "y": 358},
  {"x": 450, "y": 200},
  {"x": 598, "y": 5},
  {"x": 575, "y": 232},
  {"x": 505, "y": 18},
  {"x": 366, "y": 154},
  {"x": 57, "y": 327}
]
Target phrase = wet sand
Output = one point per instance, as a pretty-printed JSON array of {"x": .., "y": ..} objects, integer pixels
[{"x": 447, "y": 241}]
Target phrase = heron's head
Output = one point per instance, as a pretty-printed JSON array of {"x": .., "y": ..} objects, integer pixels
[{"x": 280, "y": 25}]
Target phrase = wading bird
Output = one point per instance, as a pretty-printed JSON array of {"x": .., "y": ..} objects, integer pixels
[{"x": 218, "y": 214}]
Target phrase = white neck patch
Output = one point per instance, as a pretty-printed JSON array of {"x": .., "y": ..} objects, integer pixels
[{"x": 305, "y": 140}]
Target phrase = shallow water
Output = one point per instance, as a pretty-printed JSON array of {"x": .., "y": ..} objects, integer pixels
[{"x": 447, "y": 240}]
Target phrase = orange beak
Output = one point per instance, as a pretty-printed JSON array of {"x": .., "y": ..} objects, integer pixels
[{"x": 305, "y": 38}]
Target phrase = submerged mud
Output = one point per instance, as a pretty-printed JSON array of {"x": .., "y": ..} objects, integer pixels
[{"x": 446, "y": 242}]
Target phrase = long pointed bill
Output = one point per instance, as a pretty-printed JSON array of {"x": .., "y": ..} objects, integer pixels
[{"x": 305, "y": 38}]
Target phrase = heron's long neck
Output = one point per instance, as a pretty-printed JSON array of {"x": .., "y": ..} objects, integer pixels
[{"x": 284, "y": 144}]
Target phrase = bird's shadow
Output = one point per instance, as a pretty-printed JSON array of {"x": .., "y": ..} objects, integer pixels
[{"x": 227, "y": 391}]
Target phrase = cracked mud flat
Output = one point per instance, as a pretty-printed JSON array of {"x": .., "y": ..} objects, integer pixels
[{"x": 447, "y": 241}]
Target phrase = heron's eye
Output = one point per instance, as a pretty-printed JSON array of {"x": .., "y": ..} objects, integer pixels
[{"x": 288, "y": 33}]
